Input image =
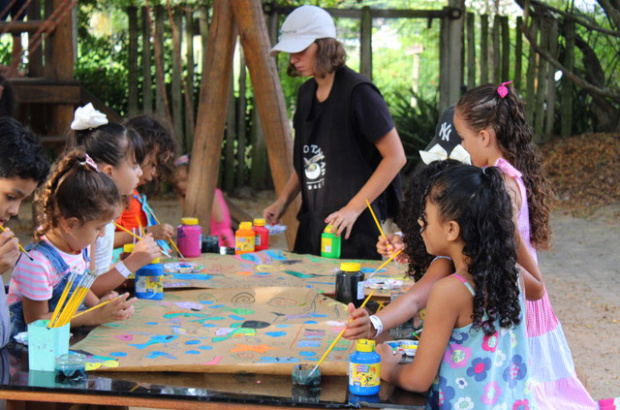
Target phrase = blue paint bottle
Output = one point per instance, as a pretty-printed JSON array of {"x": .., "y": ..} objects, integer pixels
[
  {"x": 364, "y": 369},
  {"x": 150, "y": 281}
]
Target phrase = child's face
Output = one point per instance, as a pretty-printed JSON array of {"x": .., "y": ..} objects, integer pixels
[
  {"x": 433, "y": 230},
  {"x": 79, "y": 235},
  {"x": 12, "y": 192},
  {"x": 470, "y": 140},
  {"x": 180, "y": 178},
  {"x": 126, "y": 175},
  {"x": 149, "y": 169}
]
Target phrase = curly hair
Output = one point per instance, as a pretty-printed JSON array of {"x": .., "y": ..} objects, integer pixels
[
  {"x": 482, "y": 107},
  {"x": 157, "y": 139},
  {"x": 330, "y": 56},
  {"x": 75, "y": 190},
  {"x": 411, "y": 210},
  {"x": 477, "y": 200},
  {"x": 21, "y": 154}
]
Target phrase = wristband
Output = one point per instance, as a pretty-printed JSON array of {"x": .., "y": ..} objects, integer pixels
[
  {"x": 123, "y": 270},
  {"x": 377, "y": 324},
  {"x": 399, "y": 234}
]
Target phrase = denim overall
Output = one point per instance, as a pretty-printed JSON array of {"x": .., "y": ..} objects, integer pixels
[
  {"x": 150, "y": 220},
  {"x": 18, "y": 322}
]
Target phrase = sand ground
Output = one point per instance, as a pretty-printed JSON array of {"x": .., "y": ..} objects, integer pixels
[{"x": 582, "y": 274}]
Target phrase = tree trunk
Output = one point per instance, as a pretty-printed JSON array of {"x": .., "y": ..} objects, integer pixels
[
  {"x": 484, "y": 49},
  {"x": 132, "y": 77},
  {"x": 241, "y": 133},
  {"x": 189, "y": 79},
  {"x": 147, "y": 84},
  {"x": 160, "y": 91},
  {"x": 519, "y": 55},
  {"x": 471, "y": 50}
]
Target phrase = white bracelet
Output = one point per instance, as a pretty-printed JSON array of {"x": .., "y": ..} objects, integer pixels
[
  {"x": 399, "y": 234},
  {"x": 377, "y": 324},
  {"x": 123, "y": 270}
]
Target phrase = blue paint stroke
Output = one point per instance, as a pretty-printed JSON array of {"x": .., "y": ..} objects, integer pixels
[
  {"x": 269, "y": 359},
  {"x": 371, "y": 270},
  {"x": 307, "y": 353},
  {"x": 192, "y": 342},
  {"x": 152, "y": 323},
  {"x": 283, "y": 325},
  {"x": 155, "y": 340},
  {"x": 156, "y": 354},
  {"x": 275, "y": 255},
  {"x": 320, "y": 283},
  {"x": 206, "y": 347},
  {"x": 118, "y": 354},
  {"x": 276, "y": 334},
  {"x": 209, "y": 325},
  {"x": 191, "y": 276},
  {"x": 235, "y": 317},
  {"x": 311, "y": 322},
  {"x": 192, "y": 352}
]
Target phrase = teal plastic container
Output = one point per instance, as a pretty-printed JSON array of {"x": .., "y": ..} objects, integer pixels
[
  {"x": 365, "y": 369},
  {"x": 150, "y": 281}
]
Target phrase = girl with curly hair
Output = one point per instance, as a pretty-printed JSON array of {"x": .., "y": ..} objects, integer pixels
[
  {"x": 473, "y": 350},
  {"x": 492, "y": 124}
]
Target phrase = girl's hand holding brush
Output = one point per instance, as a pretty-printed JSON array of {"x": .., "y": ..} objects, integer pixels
[
  {"x": 120, "y": 308},
  {"x": 9, "y": 250},
  {"x": 143, "y": 253}
]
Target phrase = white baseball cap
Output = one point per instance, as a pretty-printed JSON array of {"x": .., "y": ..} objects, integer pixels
[{"x": 304, "y": 25}]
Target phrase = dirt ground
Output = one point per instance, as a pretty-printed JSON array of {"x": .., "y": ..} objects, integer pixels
[{"x": 582, "y": 275}]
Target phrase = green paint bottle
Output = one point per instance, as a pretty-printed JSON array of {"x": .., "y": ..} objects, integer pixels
[{"x": 330, "y": 243}]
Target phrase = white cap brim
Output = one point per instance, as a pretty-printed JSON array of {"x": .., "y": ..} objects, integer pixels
[{"x": 292, "y": 45}]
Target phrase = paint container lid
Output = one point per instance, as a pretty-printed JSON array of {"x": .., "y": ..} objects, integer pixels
[
  {"x": 245, "y": 225},
  {"x": 365, "y": 345},
  {"x": 328, "y": 229},
  {"x": 259, "y": 222},
  {"x": 189, "y": 221},
  {"x": 350, "y": 267},
  {"x": 128, "y": 247},
  {"x": 154, "y": 261}
]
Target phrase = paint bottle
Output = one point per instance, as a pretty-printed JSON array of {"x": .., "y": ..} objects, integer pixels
[
  {"x": 150, "y": 281},
  {"x": 244, "y": 238},
  {"x": 130, "y": 281},
  {"x": 350, "y": 284},
  {"x": 330, "y": 244},
  {"x": 261, "y": 241},
  {"x": 364, "y": 369},
  {"x": 189, "y": 237}
]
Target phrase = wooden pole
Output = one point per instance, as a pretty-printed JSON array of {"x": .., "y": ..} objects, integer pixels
[
  {"x": 242, "y": 137},
  {"x": 444, "y": 69},
  {"x": 147, "y": 84},
  {"x": 35, "y": 59},
  {"x": 189, "y": 79},
  {"x": 132, "y": 75},
  {"x": 212, "y": 107},
  {"x": 366, "y": 43},
  {"x": 484, "y": 49},
  {"x": 160, "y": 90},
  {"x": 519, "y": 54},
  {"x": 269, "y": 100},
  {"x": 530, "y": 96},
  {"x": 541, "y": 90},
  {"x": 204, "y": 39},
  {"x": 567, "y": 85},
  {"x": 259, "y": 154},
  {"x": 505, "y": 49},
  {"x": 455, "y": 57},
  {"x": 471, "y": 50},
  {"x": 176, "y": 95},
  {"x": 496, "y": 70},
  {"x": 231, "y": 137},
  {"x": 550, "y": 91}
]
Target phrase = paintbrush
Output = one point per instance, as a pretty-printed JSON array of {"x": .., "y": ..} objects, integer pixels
[
  {"x": 329, "y": 349},
  {"x": 376, "y": 220},
  {"x": 102, "y": 304},
  {"x": 122, "y": 228},
  {"x": 21, "y": 248},
  {"x": 174, "y": 245}
]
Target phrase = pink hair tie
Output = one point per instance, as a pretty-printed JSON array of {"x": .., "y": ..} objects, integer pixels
[
  {"x": 502, "y": 90},
  {"x": 89, "y": 161}
]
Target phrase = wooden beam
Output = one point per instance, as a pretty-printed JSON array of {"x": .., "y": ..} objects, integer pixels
[
  {"x": 46, "y": 94},
  {"x": 366, "y": 43},
  {"x": 132, "y": 61},
  {"x": 484, "y": 49},
  {"x": 471, "y": 50},
  {"x": 147, "y": 84},
  {"x": 212, "y": 107},
  {"x": 518, "y": 55},
  {"x": 376, "y": 13},
  {"x": 17, "y": 27},
  {"x": 269, "y": 100}
]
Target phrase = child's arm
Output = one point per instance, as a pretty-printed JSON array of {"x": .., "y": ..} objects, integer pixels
[
  {"x": 144, "y": 252},
  {"x": 161, "y": 231},
  {"x": 401, "y": 309},
  {"x": 448, "y": 299}
]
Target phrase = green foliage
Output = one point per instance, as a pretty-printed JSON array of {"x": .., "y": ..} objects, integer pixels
[{"x": 415, "y": 123}]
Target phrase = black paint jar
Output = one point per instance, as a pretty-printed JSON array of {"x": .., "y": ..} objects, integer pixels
[
  {"x": 350, "y": 284},
  {"x": 210, "y": 244}
]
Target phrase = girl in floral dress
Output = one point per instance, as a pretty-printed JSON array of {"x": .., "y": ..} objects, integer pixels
[{"x": 473, "y": 352}]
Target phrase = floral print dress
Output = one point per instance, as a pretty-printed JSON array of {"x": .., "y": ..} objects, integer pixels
[{"x": 484, "y": 372}]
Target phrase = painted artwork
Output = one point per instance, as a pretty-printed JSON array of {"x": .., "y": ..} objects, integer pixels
[
  {"x": 275, "y": 268},
  {"x": 260, "y": 330}
]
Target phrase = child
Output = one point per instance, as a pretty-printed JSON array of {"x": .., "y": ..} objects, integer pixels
[
  {"x": 23, "y": 167},
  {"x": 160, "y": 148},
  {"x": 473, "y": 349},
  {"x": 420, "y": 262},
  {"x": 492, "y": 124},
  {"x": 221, "y": 224},
  {"x": 117, "y": 151},
  {"x": 77, "y": 203}
]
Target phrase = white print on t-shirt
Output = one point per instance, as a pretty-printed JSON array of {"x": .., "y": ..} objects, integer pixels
[
  {"x": 314, "y": 167},
  {"x": 445, "y": 131}
]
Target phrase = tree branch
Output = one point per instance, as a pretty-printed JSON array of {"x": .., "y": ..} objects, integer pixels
[{"x": 611, "y": 10}]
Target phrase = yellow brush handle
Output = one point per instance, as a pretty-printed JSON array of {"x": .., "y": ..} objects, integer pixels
[
  {"x": 21, "y": 248},
  {"x": 174, "y": 245},
  {"x": 122, "y": 228},
  {"x": 376, "y": 220},
  {"x": 61, "y": 301},
  {"x": 93, "y": 308}
]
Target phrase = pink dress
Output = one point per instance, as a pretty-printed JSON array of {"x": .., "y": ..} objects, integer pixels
[
  {"x": 223, "y": 229},
  {"x": 555, "y": 383}
]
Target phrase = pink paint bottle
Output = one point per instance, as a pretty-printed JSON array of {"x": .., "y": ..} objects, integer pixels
[{"x": 189, "y": 237}]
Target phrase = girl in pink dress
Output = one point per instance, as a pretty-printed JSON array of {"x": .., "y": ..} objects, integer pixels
[{"x": 491, "y": 122}]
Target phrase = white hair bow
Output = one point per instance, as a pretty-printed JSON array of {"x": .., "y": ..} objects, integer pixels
[
  {"x": 437, "y": 153},
  {"x": 87, "y": 117}
]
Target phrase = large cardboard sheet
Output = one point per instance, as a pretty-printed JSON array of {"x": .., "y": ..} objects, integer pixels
[
  {"x": 276, "y": 268},
  {"x": 261, "y": 330}
]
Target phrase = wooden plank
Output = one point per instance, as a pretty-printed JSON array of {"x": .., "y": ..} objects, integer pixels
[
  {"x": 455, "y": 55},
  {"x": 553, "y": 50},
  {"x": 132, "y": 75},
  {"x": 35, "y": 59},
  {"x": 160, "y": 89},
  {"x": 518, "y": 54},
  {"x": 444, "y": 69},
  {"x": 531, "y": 75},
  {"x": 177, "y": 71},
  {"x": 147, "y": 83},
  {"x": 189, "y": 80},
  {"x": 47, "y": 94},
  {"x": 204, "y": 39},
  {"x": 496, "y": 50},
  {"x": 269, "y": 100},
  {"x": 471, "y": 50},
  {"x": 541, "y": 90},
  {"x": 366, "y": 43},
  {"x": 242, "y": 137},
  {"x": 484, "y": 49},
  {"x": 566, "y": 114},
  {"x": 17, "y": 27},
  {"x": 375, "y": 13},
  {"x": 505, "y": 34},
  {"x": 212, "y": 108},
  {"x": 231, "y": 138}
]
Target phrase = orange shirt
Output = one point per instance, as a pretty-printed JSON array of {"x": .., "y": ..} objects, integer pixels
[{"x": 128, "y": 217}]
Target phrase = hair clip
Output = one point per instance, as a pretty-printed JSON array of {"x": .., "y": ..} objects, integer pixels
[
  {"x": 182, "y": 160},
  {"x": 89, "y": 161},
  {"x": 87, "y": 118},
  {"x": 502, "y": 90}
]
